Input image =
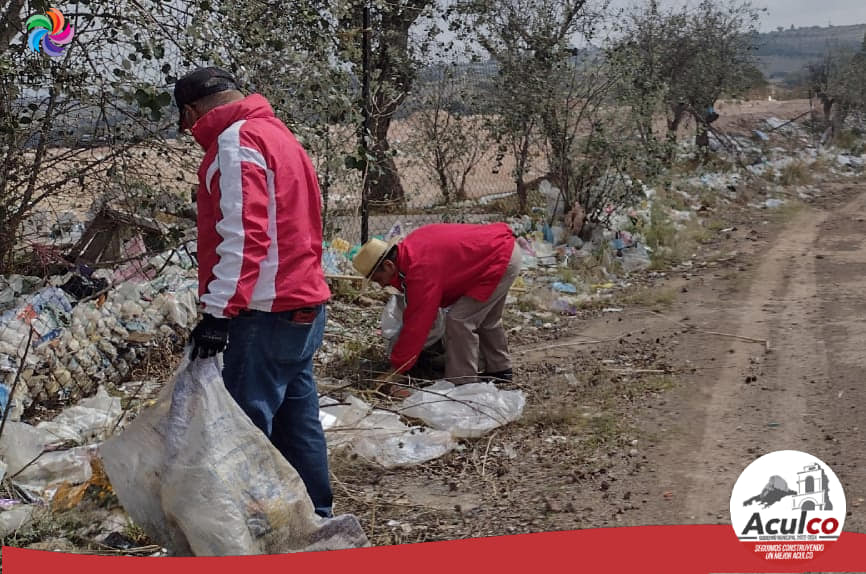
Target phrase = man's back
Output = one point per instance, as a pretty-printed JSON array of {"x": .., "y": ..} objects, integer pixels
[
  {"x": 260, "y": 234},
  {"x": 462, "y": 259}
]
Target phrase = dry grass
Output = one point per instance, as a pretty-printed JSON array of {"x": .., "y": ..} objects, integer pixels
[
  {"x": 796, "y": 173},
  {"x": 847, "y": 140},
  {"x": 647, "y": 297}
]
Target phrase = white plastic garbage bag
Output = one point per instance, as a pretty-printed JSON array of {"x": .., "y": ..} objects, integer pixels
[
  {"x": 15, "y": 518},
  {"x": 90, "y": 420},
  {"x": 20, "y": 445},
  {"x": 197, "y": 475},
  {"x": 466, "y": 411},
  {"x": 51, "y": 469},
  {"x": 635, "y": 259},
  {"x": 380, "y": 436},
  {"x": 392, "y": 322}
]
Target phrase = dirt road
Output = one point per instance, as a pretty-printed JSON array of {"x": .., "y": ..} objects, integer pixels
[
  {"x": 648, "y": 416},
  {"x": 806, "y": 393}
]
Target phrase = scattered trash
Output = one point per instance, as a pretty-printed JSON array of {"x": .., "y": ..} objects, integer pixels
[
  {"x": 380, "y": 436},
  {"x": 107, "y": 237},
  {"x": 20, "y": 444},
  {"x": 96, "y": 488},
  {"x": 50, "y": 470},
  {"x": 90, "y": 420},
  {"x": 635, "y": 258},
  {"x": 611, "y": 310},
  {"x": 13, "y": 286},
  {"x": 119, "y": 541},
  {"x": 850, "y": 161},
  {"x": 184, "y": 470},
  {"x": 15, "y": 519},
  {"x": 773, "y": 203},
  {"x": 466, "y": 411},
  {"x": 761, "y": 135},
  {"x": 564, "y": 287},
  {"x": 775, "y": 122},
  {"x": 392, "y": 322},
  {"x": 4, "y": 398},
  {"x": 77, "y": 346},
  {"x": 80, "y": 287}
]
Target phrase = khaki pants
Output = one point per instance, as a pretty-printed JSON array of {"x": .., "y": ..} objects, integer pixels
[{"x": 471, "y": 325}]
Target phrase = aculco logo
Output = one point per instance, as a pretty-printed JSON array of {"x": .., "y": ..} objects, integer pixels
[
  {"x": 788, "y": 505},
  {"x": 800, "y": 525}
]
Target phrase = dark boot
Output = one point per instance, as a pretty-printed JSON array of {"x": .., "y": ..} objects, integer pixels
[{"x": 505, "y": 376}]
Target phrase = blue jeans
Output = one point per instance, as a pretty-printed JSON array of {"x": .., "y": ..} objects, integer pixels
[{"x": 269, "y": 372}]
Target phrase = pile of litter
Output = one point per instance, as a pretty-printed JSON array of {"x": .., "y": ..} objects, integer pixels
[
  {"x": 78, "y": 344},
  {"x": 53, "y": 463},
  {"x": 453, "y": 413}
]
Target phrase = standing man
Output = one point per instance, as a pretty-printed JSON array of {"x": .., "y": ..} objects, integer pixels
[
  {"x": 468, "y": 268},
  {"x": 261, "y": 282}
]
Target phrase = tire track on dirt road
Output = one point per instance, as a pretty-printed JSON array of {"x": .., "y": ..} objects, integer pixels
[{"x": 806, "y": 297}]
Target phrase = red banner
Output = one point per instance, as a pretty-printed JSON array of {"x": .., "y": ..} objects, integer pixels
[{"x": 668, "y": 549}]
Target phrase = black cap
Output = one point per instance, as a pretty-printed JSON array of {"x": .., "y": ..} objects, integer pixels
[{"x": 200, "y": 83}]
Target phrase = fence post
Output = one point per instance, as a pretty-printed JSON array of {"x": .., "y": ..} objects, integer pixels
[{"x": 365, "y": 96}]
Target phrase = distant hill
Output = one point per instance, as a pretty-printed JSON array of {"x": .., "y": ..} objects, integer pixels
[{"x": 784, "y": 53}]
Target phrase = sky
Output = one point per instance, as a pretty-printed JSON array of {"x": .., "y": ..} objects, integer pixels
[
  {"x": 812, "y": 13},
  {"x": 797, "y": 12}
]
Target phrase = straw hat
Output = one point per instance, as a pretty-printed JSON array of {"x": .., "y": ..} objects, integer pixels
[{"x": 371, "y": 255}]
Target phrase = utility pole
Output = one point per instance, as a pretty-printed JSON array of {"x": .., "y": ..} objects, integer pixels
[{"x": 365, "y": 136}]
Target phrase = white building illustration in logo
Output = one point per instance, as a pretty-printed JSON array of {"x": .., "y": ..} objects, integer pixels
[{"x": 812, "y": 489}]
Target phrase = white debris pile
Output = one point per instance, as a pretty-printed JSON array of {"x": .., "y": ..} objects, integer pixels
[
  {"x": 75, "y": 347},
  {"x": 39, "y": 459}
]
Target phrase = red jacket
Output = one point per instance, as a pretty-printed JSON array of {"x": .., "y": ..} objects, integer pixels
[
  {"x": 437, "y": 265},
  {"x": 259, "y": 214}
]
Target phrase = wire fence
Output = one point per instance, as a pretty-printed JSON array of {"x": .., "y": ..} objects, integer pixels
[{"x": 446, "y": 165}]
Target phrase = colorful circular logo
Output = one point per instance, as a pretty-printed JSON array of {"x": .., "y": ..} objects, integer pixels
[
  {"x": 47, "y": 33},
  {"x": 788, "y": 506}
]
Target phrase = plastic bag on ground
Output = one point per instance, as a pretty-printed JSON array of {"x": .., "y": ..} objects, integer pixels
[
  {"x": 20, "y": 444},
  {"x": 54, "y": 468},
  {"x": 466, "y": 411},
  {"x": 90, "y": 420},
  {"x": 635, "y": 259},
  {"x": 392, "y": 322},
  {"x": 197, "y": 475},
  {"x": 381, "y": 436},
  {"x": 15, "y": 519}
]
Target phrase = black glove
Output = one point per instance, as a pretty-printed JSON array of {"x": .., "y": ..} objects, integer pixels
[{"x": 209, "y": 337}]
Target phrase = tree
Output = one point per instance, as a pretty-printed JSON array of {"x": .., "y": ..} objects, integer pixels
[
  {"x": 88, "y": 123},
  {"x": 541, "y": 82},
  {"x": 839, "y": 82},
  {"x": 448, "y": 142},
  {"x": 68, "y": 125},
  {"x": 685, "y": 59},
  {"x": 393, "y": 67}
]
